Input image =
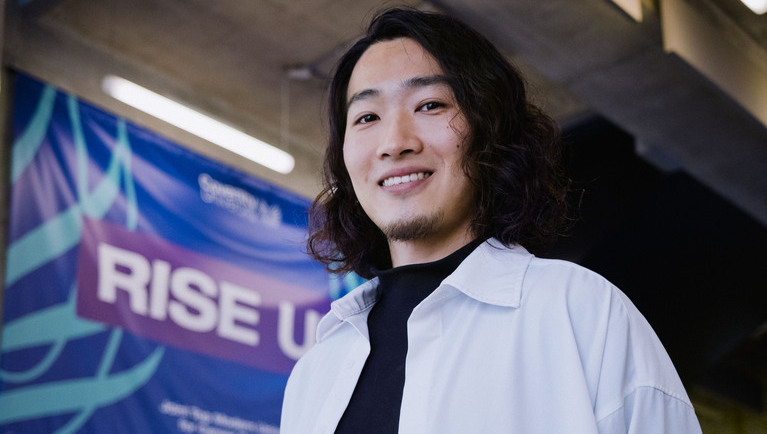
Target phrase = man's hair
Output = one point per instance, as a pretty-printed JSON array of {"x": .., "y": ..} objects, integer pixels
[{"x": 512, "y": 154}]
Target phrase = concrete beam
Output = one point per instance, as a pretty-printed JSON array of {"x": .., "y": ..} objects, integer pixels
[{"x": 619, "y": 68}]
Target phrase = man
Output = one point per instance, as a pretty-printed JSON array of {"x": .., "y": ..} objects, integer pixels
[{"x": 438, "y": 172}]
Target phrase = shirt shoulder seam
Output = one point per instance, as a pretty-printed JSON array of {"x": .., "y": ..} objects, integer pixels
[{"x": 675, "y": 396}]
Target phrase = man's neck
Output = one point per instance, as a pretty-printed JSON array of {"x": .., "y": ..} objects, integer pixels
[{"x": 425, "y": 250}]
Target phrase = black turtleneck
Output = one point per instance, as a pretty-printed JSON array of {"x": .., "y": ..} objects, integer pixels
[{"x": 375, "y": 404}]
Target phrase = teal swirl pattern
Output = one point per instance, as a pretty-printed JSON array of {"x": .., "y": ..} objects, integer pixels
[{"x": 56, "y": 326}]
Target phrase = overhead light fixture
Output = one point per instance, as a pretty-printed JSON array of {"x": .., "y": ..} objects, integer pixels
[
  {"x": 758, "y": 6},
  {"x": 632, "y": 8},
  {"x": 198, "y": 124}
]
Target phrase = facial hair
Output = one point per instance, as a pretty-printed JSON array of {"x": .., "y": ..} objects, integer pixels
[{"x": 416, "y": 228}]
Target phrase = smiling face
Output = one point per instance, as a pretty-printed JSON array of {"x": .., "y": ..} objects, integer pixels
[{"x": 404, "y": 140}]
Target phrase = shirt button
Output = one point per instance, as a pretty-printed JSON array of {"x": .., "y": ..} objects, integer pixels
[{"x": 349, "y": 364}]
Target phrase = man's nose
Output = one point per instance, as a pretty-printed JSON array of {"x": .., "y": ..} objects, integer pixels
[{"x": 400, "y": 137}]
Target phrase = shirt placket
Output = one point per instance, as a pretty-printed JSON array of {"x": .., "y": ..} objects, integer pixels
[
  {"x": 341, "y": 391},
  {"x": 424, "y": 342}
]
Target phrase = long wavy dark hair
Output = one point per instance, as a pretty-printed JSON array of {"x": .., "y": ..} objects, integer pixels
[{"x": 512, "y": 158}]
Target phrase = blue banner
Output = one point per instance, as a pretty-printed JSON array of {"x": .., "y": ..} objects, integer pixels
[{"x": 148, "y": 289}]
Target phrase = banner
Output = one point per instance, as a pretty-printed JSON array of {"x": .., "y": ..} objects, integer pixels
[{"x": 147, "y": 289}]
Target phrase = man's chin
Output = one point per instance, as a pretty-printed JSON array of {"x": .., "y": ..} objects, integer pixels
[{"x": 412, "y": 229}]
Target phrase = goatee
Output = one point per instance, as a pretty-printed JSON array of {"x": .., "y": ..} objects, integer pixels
[{"x": 413, "y": 229}]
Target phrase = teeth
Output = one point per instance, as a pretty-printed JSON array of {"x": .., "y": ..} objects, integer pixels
[{"x": 395, "y": 180}]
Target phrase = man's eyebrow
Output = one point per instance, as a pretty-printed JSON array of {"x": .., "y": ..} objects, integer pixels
[
  {"x": 363, "y": 94},
  {"x": 423, "y": 81},
  {"x": 413, "y": 82}
]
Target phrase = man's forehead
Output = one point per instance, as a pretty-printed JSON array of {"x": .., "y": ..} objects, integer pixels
[{"x": 391, "y": 63}]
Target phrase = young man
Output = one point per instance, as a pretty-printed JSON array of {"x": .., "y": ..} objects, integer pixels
[{"x": 438, "y": 172}]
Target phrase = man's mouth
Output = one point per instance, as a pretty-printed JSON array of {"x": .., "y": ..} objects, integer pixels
[{"x": 396, "y": 180}]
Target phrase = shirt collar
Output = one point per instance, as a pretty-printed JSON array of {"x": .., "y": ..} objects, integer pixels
[
  {"x": 491, "y": 274},
  {"x": 352, "y": 308}
]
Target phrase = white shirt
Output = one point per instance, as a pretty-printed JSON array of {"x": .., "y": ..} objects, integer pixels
[{"x": 508, "y": 343}]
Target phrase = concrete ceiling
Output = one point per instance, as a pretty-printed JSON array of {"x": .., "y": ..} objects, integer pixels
[
  {"x": 243, "y": 62},
  {"x": 687, "y": 83},
  {"x": 262, "y": 66}
]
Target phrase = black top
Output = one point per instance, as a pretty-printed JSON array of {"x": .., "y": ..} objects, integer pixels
[{"x": 375, "y": 404}]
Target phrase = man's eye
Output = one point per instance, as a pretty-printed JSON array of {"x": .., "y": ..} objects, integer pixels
[
  {"x": 367, "y": 118},
  {"x": 431, "y": 105}
]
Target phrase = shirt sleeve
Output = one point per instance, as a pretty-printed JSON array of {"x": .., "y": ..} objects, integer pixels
[{"x": 640, "y": 389}]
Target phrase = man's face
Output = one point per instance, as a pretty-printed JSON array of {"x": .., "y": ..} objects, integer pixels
[{"x": 404, "y": 141}]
